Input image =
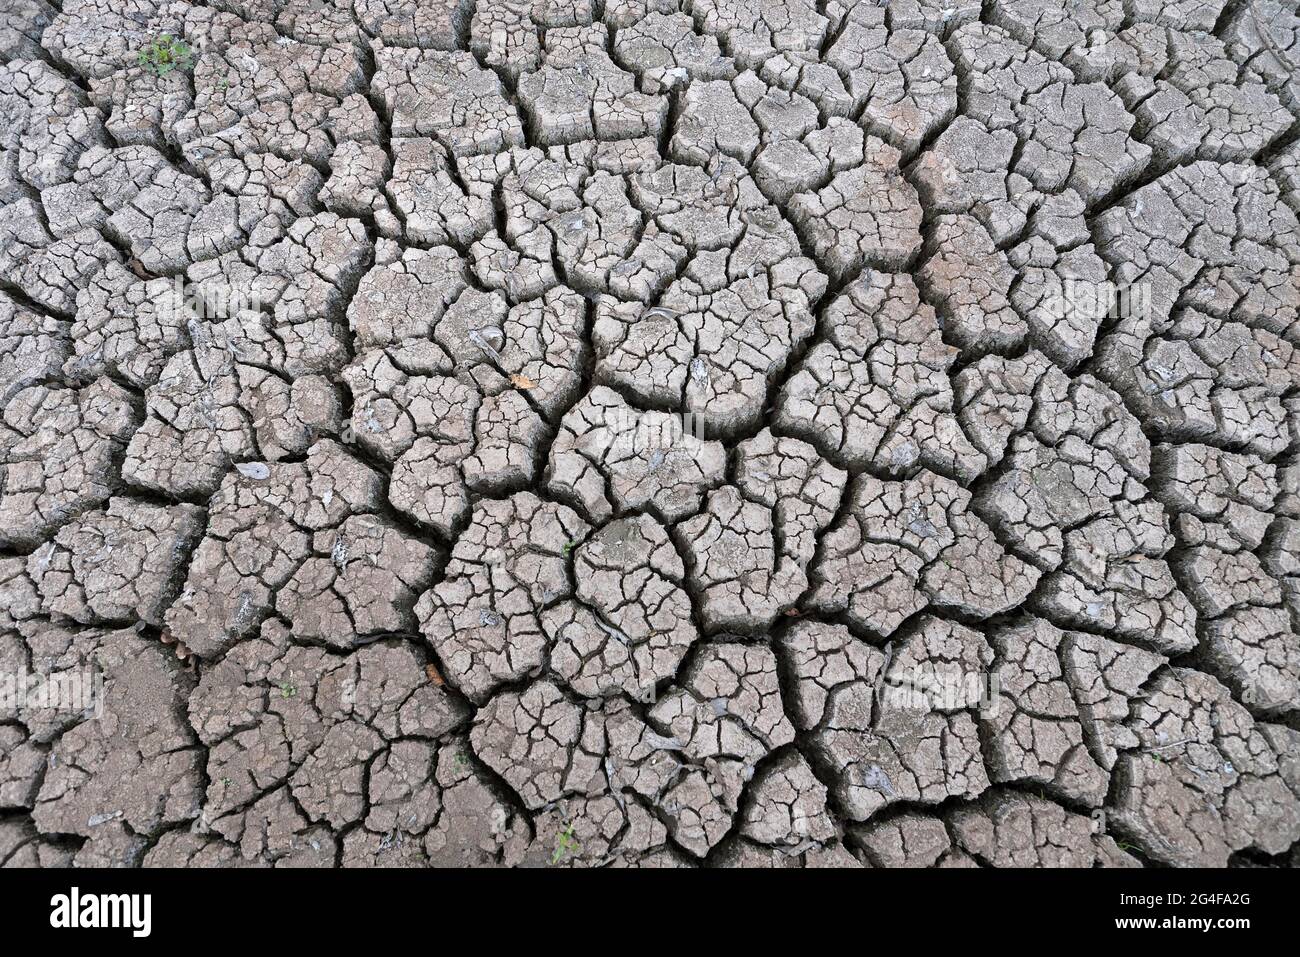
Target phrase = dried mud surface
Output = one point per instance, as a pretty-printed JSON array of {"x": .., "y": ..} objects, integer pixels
[{"x": 651, "y": 432}]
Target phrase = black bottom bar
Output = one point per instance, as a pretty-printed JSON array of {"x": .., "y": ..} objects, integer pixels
[{"x": 437, "y": 910}]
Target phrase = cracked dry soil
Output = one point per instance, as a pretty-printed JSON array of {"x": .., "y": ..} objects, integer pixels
[{"x": 651, "y": 432}]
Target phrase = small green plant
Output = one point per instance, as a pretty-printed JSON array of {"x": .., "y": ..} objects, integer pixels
[
  {"x": 166, "y": 53},
  {"x": 288, "y": 690},
  {"x": 564, "y": 844},
  {"x": 569, "y": 546}
]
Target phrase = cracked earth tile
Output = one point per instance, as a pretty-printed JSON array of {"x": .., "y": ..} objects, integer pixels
[
  {"x": 510, "y": 437},
  {"x": 908, "y": 840},
  {"x": 141, "y": 106},
  {"x": 284, "y": 303},
  {"x": 1106, "y": 678},
  {"x": 1262, "y": 36},
  {"x": 970, "y": 281},
  {"x": 601, "y": 831},
  {"x": 206, "y": 412},
  {"x": 357, "y": 172},
  {"x": 273, "y": 712},
  {"x": 884, "y": 746},
  {"x": 720, "y": 334},
  {"x": 578, "y": 92},
  {"x": 749, "y": 550},
  {"x": 609, "y": 456},
  {"x": 117, "y": 796},
  {"x": 665, "y": 51},
  {"x": 902, "y": 546},
  {"x": 120, "y": 564},
  {"x": 104, "y": 182},
  {"x": 1235, "y": 112},
  {"x": 550, "y": 749},
  {"x": 527, "y": 737},
  {"x": 1059, "y": 292},
  {"x": 541, "y": 196},
  {"x": 1017, "y": 830},
  {"x": 1223, "y": 503},
  {"x": 727, "y": 713},
  {"x": 966, "y": 171},
  {"x": 392, "y": 408},
  {"x": 631, "y": 623},
  {"x": 1217, "y": 239},
  {"x": 264, "y": 524},
  {"x": 1207, "y": 779},
  {"x": 189, "y": 849},
  {"x": 1207, "y": 378},
  {"x": 785, "y": 166},
  {"x": 545, "y": 343},
  {"x": 1116, "y": 578},
  {"x": 96, "y": 37},
  {"x": 59, "y": 455},
  {"x": 128, "y": 326},
  {"x": 29, "y": 643},
  {"x": 935, "y": 16},
  {"x": 329, "y": 785},
  {"x": 1074, "y": 33},
  {"x": 876, "y": 392},
  {"x": 1075, "y": 135},
  {"x": 274, "y": 830},
  {"x": 756, "y": 31},
  {"x": 21, "y": 845},
  {"x": 22, "y": 764},
  {"x": 994, "y": 398},
  {"x": 446, "y": 95},
  {"x": 1054, "y": 479},
  {"x": 49, "y": 270},
  {"x": 255, "y": 93},
  {"x": 1219, "y": 582},
  {"x": 788, "y": 807},
  {"x": 1036, "y": 734},
  {"x": 431, "y": 25},
  {"x": 713, "y": 119},
  {"x": 901, "y": 80},
  {"x": 485, "y": 617},
  {"x": 48, "y": 122},
  {"x": 507, "y": 36},
  {"x": 404, "y": 298},
  {"x": 476, "y": 826},
  {"x": 21, "y": 26},
  {"x": 743, "y": 853},
  {"x": 363, "y": 580},
  {"x": 866, "y": 216},
  {"x": 426, "y": 196},
  {"x": 457, "y": 821},
  {"x": 32, "y": 347}
]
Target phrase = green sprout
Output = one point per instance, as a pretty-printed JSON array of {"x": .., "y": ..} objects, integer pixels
[
  {"x": 569, "y": 547},
  {"x": 288, "y": 690},
  {"x": 564, "y": 844},
  {"x": 166, "y": 53}
]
